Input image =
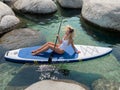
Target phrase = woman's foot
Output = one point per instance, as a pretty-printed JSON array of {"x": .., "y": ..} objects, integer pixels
[{"x": 34, "y": 53}]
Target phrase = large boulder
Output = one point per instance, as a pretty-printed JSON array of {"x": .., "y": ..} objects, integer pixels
[
  {"x": 35, "y": 6},
  {"x": 7, "y": 18},
  {"x": 70, "y": 3},
  {"x": 22, "y": 38},
  {"x": 57, "y": 85},
  {"x": 104, "y": 13},
  {"x": 9, "y": 2},
  {"x": 8, "y": 21}
]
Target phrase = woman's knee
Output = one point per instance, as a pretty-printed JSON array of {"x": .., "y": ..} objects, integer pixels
[{"x": 50, "y": 42}]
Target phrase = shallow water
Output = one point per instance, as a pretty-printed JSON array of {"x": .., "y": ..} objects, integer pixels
[{"x": 18, "y": 76}]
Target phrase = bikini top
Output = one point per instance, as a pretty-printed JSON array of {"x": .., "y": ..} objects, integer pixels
[{"x": 64, "y": 44}]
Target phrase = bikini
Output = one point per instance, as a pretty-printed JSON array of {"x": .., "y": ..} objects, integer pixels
[{"x": 64, "y": 44}]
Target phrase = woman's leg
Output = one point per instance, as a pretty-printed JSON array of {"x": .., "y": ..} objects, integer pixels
[
  {"x": 50, "y": 43},
  {"x": 49, "y": 46},
  {"x": 45, "y": 48}
]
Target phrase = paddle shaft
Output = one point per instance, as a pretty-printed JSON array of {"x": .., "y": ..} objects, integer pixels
[
  {"x": 51, "y": 55},
  {"x": 58, "y": 34}
]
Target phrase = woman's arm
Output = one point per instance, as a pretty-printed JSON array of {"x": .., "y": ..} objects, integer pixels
[{"x": 75, "y": 49}]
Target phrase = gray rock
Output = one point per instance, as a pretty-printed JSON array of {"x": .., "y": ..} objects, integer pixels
[
  {"x": 103, "y": 84},
  {"x": 56, "y": 85},
  {"x": 9, "y": 2},
  {"x": 5, "y": 10},
  {"x": 70, "y": 3},
  {"x": 7, "y": 18},
  {"x": 8, "y": 21},
  {"x": 104, "y": 13},
  {"x": 22, "y": 38},
  {"x": 36, "y": 6}
]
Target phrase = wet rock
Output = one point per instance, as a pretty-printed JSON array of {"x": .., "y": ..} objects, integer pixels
[
  {"x": 35, "y": 6},
  {"x": 9, "y": 1},
  {"x": 57, "y": 85},
  {"x": 7, "y": 18},
  {"x": 8, "y": 21},
  {"x": 103, "y": 84},
  {"x": 70, "y": 3},
  {"x": 104, "y": 13},
  {"x": 22, "y": 38}
]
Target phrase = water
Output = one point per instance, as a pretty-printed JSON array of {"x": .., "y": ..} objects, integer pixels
[{"x": 18, "y": 76}]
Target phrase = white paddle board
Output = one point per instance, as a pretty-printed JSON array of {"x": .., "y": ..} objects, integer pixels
[{"x": 24, "y": 55}]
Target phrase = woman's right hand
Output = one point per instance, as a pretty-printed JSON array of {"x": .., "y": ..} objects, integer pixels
[{"x": 57, "y": 36}]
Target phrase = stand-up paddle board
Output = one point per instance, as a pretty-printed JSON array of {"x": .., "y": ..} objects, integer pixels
[{"x": 24, "y": 55}]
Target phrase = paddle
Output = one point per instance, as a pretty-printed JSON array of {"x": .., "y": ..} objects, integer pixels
[{"x": 51, "y": 55}]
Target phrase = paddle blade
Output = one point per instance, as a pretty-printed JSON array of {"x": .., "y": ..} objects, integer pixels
[{"x": 50, "y": 58}]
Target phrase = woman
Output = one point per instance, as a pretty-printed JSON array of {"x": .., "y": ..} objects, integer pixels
[{"x": 59, "y": 48}]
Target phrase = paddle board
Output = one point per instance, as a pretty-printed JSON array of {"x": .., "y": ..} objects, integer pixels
[{"x": 24, "y": 55}]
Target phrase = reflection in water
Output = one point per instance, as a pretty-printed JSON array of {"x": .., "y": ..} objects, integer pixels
[
  {"x": 51, "y": 72},
  {"x": 101, "y": 34}
]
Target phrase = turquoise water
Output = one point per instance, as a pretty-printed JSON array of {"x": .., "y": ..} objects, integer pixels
[{"x": 18, "y": 76}]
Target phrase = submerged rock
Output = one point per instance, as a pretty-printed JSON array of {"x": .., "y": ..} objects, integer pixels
[
  {"x": 57, "y": 85},
  {"x": 104, "y": 13},
  {"x": 70, "y": 3},
  {"x": 103, "y": 84},
  {"x": 7, "y": 18},
  {"x": 22, "y": 38},
  {"x": 35, "y": 6}
]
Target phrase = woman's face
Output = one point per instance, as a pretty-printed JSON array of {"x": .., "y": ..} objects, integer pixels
[{"x": 67, "y": 31}]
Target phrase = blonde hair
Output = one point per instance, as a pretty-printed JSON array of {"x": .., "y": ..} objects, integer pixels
[{"x": 71, "y": 33}]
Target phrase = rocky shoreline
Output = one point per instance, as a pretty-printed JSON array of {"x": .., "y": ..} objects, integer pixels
[
  {"x": 97, "y": 13},
  {"x": 10, "y": 24}
]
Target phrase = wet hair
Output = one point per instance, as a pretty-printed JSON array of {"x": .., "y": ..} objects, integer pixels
[{"x": 71, "y": 30}]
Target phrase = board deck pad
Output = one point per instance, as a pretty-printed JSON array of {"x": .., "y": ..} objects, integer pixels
[{"x": 24, "y": 55}]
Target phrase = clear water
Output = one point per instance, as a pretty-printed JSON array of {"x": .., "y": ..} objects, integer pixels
[{"x": 18, "y": 76}]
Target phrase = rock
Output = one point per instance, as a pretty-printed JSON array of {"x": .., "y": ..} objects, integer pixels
[
  {"x": 9, "y": 2},
  {"x": 7, "y": 18},
  {"x": 70, "y": 3},
  {"x": 8, "y": 21},
  {"x": 35, "y": 6},
  {"x": 104, "y": 13},
  {"x": 103, "y": 84},
  {"x": 22, "y": 38},
  {"x": 5, "y": 10},
  {"x": 56, "y": 85}
]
